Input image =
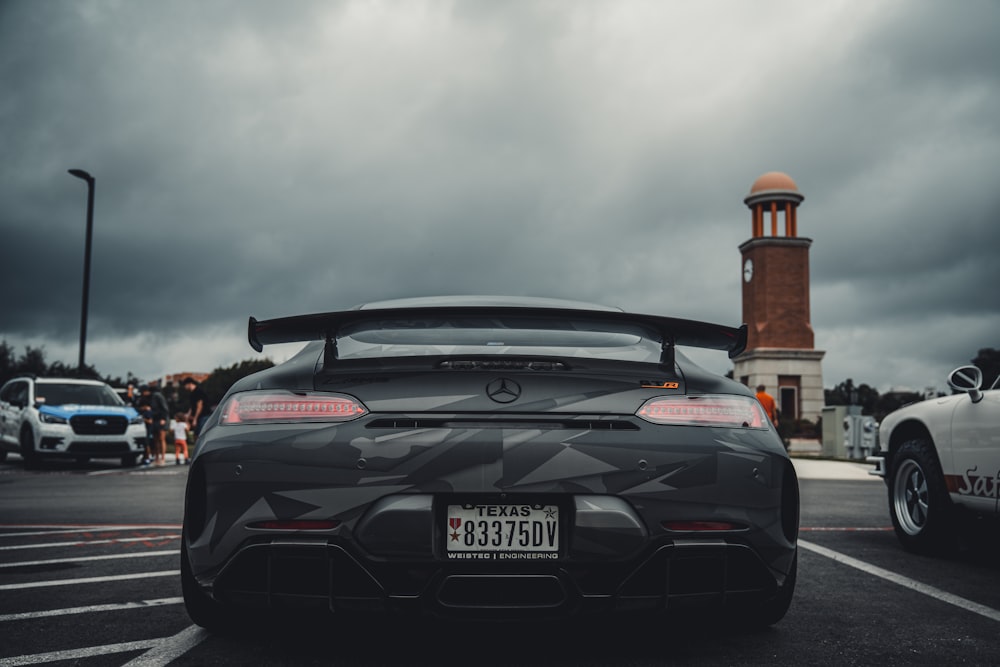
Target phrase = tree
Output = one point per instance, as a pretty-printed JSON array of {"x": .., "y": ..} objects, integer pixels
[
  {"x": 894, "y": 400},
  {"x": 218, "y": 383},
  {"x": 32, "y": 361},
  {"x": 872, "y": 403},
  {"x": 988, "y": 361},
  {"x": 846, "y": 393},
  {"x": 7, "y": 361}
]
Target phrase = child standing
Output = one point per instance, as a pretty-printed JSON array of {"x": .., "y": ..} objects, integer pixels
[{"x": 181, "y": 430}]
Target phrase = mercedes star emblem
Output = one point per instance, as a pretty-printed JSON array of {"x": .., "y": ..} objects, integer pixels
[{"x": 503, "y": 390}]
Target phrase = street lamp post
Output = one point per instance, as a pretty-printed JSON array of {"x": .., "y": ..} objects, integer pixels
[{"x": 80, "y": 173}]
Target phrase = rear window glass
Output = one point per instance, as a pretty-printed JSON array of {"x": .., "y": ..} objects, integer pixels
[
  {"x": 76, "y": 394},
  {"x": 498, "y": 336}
]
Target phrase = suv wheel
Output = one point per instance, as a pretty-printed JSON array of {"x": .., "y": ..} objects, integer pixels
[{"x": 28, "y": 452}]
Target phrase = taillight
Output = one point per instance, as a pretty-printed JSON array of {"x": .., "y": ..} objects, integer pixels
[
  {"x": 294, "y": 524},
  {"x": 256, "y": 407},
  {"x": 709, "y": 410},
  {"x": 702, "y": 526}
]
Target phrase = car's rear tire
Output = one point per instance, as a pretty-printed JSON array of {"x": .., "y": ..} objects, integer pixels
[
  {"x": 774, "y": 609},
  {"x": 202, "y": 609},
  {"x": 919, "y": 505},
  {"x": 754, "y": 615}
]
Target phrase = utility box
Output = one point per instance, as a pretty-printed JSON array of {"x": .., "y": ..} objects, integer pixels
[
  {"x": 860, "y": 435},
  {"x": 833, "y": 431},
  {"x": 848, "y": 434}
]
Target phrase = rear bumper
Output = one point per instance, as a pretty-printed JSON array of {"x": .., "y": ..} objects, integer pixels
[
  {"x": 643, "y": 524},
  {"x": 323, "y": 576}
]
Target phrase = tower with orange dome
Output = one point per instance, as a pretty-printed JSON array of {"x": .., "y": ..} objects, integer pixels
[{"x": 775, "y": 278}]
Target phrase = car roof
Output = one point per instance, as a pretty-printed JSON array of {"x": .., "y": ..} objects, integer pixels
[{"x": 68, "y": 381}]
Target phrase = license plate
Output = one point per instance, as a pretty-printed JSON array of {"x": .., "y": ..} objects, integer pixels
[{"x": 502, "y": 532}]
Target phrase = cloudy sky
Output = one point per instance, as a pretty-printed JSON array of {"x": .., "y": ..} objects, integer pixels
[{"x": 273, "y": 159}]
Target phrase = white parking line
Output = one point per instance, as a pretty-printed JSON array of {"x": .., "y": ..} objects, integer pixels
[
  {"x": 906, "y": 582},
  {"x": 88, "y": 580},
  {"x": 159, "y": 652},
  {"x": 78, "y": 653},
  {"x": 89, "y": 542},
  {"x": 845, "y": 529},
  {"x": 163, "y": 471},
  {"x": 69, "y": 611},
  {"x": 170, "y": 648},
  {"x": 50, "y": 529},
  {"x": 87, "y": 559}
]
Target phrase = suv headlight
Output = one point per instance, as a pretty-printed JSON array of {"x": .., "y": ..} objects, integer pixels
[
  {"x": 136, "y": 420},
  {"x": 52, "y": 419}
]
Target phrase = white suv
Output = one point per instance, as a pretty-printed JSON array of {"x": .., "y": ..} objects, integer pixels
[{"x": 80, "y": 419}]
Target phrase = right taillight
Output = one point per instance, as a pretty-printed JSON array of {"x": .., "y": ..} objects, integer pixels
[{"x": 707, "y": 410}]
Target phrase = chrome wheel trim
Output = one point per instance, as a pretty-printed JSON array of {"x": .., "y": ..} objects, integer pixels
[{"x": 910, "y": 497}]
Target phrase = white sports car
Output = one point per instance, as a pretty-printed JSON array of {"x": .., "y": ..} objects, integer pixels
[{"x": 940, "y": 459}]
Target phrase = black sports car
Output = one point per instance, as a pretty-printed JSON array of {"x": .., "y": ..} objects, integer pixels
[{"x": 489, "y": 457}]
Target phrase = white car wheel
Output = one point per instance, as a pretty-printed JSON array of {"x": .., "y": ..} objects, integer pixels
[
  {"x": 910, "y": 497},
  {"x": 918, "y": 501}
]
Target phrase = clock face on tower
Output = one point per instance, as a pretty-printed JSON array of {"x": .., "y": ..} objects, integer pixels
[{"x": 748, "y": 270}]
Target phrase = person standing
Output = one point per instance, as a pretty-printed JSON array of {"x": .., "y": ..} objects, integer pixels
[
  {"x": 198, "y": 411},
  {"x": 180, "y": 428},
  {"x": 767, "y": 402},
  {"x": 156, "y": 424},
  {"x": 142, "y": 405}
]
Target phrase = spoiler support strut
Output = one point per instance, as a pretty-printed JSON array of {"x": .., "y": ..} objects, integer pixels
[
  {"x": 329, "y": 350},
  {"x": 667, "y": 353}
]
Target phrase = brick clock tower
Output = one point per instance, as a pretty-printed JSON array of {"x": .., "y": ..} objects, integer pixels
[{"x": 775, "y": 278}]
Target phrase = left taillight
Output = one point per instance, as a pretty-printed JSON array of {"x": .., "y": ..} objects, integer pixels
[
  {"x": 707, "y": 410},
  {"x": 261, "y": 407}
]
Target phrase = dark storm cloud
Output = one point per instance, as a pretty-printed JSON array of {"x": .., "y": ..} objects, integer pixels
[
  {"x": 917, "y": 152},
  {"x": 278, "y": 158}
]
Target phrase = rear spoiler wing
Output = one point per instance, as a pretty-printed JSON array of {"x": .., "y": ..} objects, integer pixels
[{"x": 325, "y": 326}]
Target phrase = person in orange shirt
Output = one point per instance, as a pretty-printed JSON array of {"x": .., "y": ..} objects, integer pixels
[{"x": 767, "y": 401}]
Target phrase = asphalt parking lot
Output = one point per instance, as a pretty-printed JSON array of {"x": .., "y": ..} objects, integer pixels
[{"x": 89, "y": 575}]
